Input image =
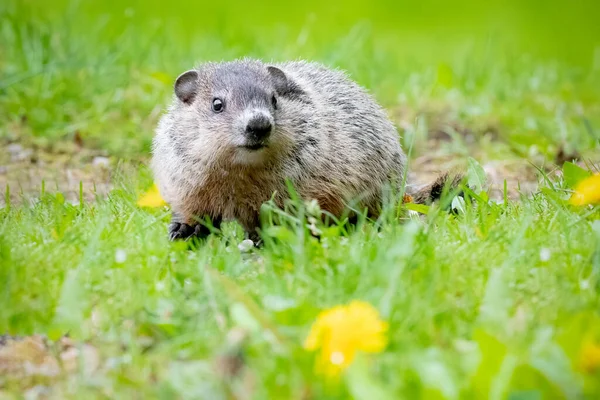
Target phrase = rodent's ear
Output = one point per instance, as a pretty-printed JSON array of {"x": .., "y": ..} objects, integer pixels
[
  {"x": 283, "y": 85},
  {"x": 186, "y": 86},
  {"x": 280, "y": 81}
]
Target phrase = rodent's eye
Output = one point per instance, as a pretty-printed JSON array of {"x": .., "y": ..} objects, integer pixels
[
  {"x": 274, "y": 101},
  {"x": 217, "y": 105}
]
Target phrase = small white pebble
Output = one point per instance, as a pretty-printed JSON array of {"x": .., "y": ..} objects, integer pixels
[
  {"x": 221, "y": 321},
  {"x": 14, "y": 148},
  {"x": 465, "y": 346},
  {"x": 337, "y": 358},
  {"x": 120, "y": 256},
  {"x": 96, "y": 318},
  {"x": 314, "y": 230},
  {"x": 545, "y": 254},
  {"x": 101, "y": 162},
  {"x": 584, "y": 284},
  {"x": 533, "y": 150},
  {"x": 22, "y": 155},
  {"x": 111, "y": 363},
  {"x": 312, "y": 207},
  {"x": 37, "y": 392},
  {"x": 246, "y": 245},
  {"x": 278, "y": 303}
]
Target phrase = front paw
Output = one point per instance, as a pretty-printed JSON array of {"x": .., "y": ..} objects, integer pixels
[{"x": 178, "y": 230}]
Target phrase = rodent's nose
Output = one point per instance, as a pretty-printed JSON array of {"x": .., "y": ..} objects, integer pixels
[{"x": 259, "y": 127}]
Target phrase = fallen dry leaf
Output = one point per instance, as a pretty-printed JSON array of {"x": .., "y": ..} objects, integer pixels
[
  {"x": 24, "y": 359},
  {"x": 27, "y": 356}
]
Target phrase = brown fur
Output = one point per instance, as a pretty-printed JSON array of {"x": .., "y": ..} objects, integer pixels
[
  {"x": 446, "y": 182},
  {"x": 329, "y": 138}
]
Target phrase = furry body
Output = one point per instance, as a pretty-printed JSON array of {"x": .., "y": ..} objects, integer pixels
[{"x": 322, "y": 131}]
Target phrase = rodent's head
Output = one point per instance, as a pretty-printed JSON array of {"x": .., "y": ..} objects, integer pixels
[{"x": 232, "y": 110}]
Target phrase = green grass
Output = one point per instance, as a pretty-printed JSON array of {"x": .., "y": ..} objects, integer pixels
[
  {"x": 457, "y": 292},
  {"x": 106, "y": 73},
  {"x": 496, "y": 302}
]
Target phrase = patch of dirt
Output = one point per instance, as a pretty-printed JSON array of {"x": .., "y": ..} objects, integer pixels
[
  {"x": 521, "y": 177},
  {"x": 24, "y": 171},
  {"x": 444, "y": 142},
  {"x": 33, "y": 360}
]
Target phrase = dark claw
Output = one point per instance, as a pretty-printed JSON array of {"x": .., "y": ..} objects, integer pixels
[
  {"x": 201, "y": 231},
  {"x": 255, "y": 237},
  {"x": 179, "y": 230}
]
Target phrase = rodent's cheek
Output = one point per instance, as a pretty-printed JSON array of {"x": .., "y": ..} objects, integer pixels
[
  {"x": 208, "y": 147},
  {"x": 282, "y": 137},
  {"x": 235, "y": 141},
  {"x": 217, "y": 133},
  {"x": 233, "y": 137}
]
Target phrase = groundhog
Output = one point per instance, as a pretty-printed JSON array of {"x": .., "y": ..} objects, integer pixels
[{"x": 236, "y": 131}]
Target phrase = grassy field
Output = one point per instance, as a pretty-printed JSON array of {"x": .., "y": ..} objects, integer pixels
[{"x": 500, "y": 301}]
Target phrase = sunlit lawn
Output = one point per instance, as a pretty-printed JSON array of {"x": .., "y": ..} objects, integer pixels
[{"x": 498, "y": 301}]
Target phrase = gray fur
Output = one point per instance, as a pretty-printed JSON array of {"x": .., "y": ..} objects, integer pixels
[{"x": 329, "y": 137}]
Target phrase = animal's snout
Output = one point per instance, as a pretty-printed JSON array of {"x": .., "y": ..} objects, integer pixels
[{"x": 259, "y": 127}]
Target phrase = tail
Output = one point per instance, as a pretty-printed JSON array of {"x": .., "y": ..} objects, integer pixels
[{"x": 445, "y": 183}]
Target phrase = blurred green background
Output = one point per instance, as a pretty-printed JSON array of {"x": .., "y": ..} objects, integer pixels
[
  {"x": 498, "y": 302},
  {"x": 527, "y": 71}
]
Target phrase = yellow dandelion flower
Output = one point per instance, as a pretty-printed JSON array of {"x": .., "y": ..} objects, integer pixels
[
  {"x": 589, "y": 357},
  {"x": 151, "y": 198},
  {"x": 587, "y": 191},
  {"x": 340, "y": 332}
]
